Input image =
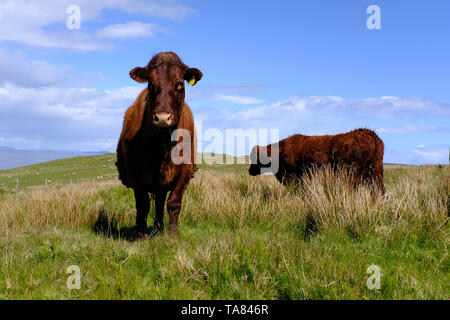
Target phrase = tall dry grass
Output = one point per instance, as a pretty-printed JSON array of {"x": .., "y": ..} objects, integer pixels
[
  {"x": 415, "y": 201},
  {"x": 71, "y": 206}
]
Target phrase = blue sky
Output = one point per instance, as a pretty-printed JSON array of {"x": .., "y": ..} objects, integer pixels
[{"x": 310, "y": 67}]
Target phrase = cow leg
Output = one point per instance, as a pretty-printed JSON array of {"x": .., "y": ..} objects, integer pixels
[
  {"x": 142, "y": 207},
  {"x": 358, "y": 177},
  {"x": 375, "y": 179},
  {"x": 158, "y": 224},
  {"x": 378, "y": 180},
  {"x": 175, "y": 199}
]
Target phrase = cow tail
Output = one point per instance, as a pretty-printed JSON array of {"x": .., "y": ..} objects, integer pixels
[
  {"x": 375, "y": 172},
  {"x": 120, "y": 165}
]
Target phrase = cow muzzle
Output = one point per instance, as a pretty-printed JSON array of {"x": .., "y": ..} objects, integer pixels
[{"x": 163, "y": 119}]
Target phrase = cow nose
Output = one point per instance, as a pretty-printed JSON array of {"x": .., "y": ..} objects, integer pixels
[{"x": 162, "y": 119}]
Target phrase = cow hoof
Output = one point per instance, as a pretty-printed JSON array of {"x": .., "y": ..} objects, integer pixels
[
  {"x": 140, "y": 236},
  {"x": 154, "y": 232}
]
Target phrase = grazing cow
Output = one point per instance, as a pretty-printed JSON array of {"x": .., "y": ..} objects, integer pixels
[
  {"x": 145, "y": 150},
  {"x": 361, "y": 150}
]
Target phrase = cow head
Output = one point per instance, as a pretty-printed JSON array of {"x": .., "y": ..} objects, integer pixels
[
  {"x": 165, "y": 75},
  {"x": 261, "y": 160}
]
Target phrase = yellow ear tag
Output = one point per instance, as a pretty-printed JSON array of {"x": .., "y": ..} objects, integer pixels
[{"x": 193, "y": 82}]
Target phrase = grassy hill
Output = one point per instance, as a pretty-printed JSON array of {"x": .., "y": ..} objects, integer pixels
[
  {"x": 241, "y": 237},
  {"x": 76, "y": 169},
  {"x": 92, "y": 168}
]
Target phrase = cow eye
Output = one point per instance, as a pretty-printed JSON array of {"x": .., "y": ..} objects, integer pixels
[{"x": 179, "y": 86}]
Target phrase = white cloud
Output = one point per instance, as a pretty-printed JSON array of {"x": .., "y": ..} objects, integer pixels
[
  {"x": 237, "y": 99},
  {"x": 77, "y": 40},
  {"x": 16, "y": 68},
  {"x": 389, "y": 107},
  {"x": 128, "y": 30},
  {"x": 43, "y": 23},
  {"x": 54, "y": 118},
  {"x": 391, "y": 117},
  {"x": 377, "y": 108},
  {"x": 412, "y": 129},
  {"x": 431, "y": 154}
]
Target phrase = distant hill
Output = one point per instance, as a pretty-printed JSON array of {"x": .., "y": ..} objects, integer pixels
[
  {"x": 14, "y": 158},
  {"x": 211, "y": 158}
]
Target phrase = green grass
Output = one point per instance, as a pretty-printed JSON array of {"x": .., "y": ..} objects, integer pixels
[
  {"x": 240, "y": 238},
  {"x": 220, "y": 263}
]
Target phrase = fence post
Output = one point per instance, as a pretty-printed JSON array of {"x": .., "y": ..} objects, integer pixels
[
  {"x": 46, "y": 181},
  {"x": 17, "y": 184}
]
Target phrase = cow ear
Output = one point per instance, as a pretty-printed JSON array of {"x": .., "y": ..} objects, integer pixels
[
  {"x": 139, "y": 74},
  {"x": 192, "y": 76}
]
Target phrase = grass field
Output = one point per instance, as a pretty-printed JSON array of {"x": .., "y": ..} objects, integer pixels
[{"x": 241, "y": 237}]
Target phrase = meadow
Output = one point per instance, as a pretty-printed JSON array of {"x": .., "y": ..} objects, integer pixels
[{"x": 241, "y": 237}]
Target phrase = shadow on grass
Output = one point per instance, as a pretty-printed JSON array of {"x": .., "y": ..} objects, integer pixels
[
  {"x": 310, "y": 227},
  {"x": 108, "y": 227}
]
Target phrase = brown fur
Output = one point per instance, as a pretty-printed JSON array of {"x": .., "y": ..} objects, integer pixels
[
  {"x": 144, "y": 150},
  {"x": 360, "y": 150}
]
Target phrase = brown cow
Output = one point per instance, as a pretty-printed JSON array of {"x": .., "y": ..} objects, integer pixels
[
  {"x": 145, "y": 148},
  {"x": 361, "y": 150}
]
